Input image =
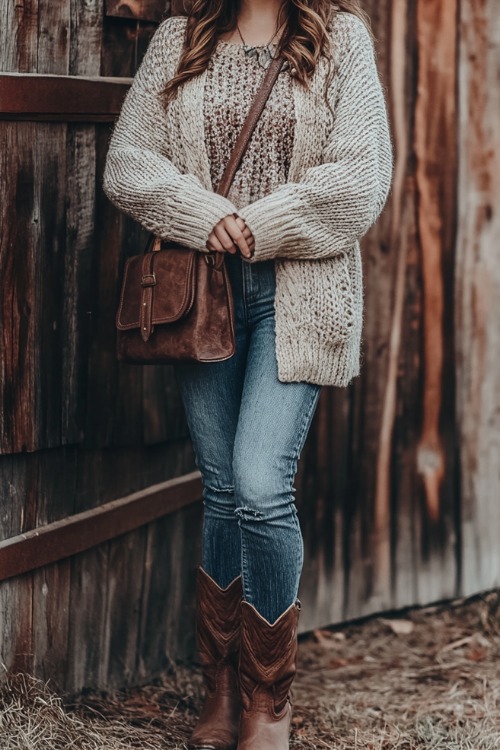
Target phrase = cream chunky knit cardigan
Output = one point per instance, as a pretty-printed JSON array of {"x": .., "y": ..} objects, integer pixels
[{"x": 158, "y": 171}]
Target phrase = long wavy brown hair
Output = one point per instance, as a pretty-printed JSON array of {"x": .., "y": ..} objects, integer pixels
[{"x": 304, "y": 39}]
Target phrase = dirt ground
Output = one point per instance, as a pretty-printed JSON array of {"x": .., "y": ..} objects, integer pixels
[{"x": 424, "y": 678}]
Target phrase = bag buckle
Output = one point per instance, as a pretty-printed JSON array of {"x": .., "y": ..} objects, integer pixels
[{"x": 148, "y": 279}]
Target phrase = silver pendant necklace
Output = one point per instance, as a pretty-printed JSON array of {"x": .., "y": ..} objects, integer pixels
[{"x": 262, "y": 53}]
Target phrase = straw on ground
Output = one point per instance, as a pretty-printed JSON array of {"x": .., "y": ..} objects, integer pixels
[{"x": 424, "y": 679}]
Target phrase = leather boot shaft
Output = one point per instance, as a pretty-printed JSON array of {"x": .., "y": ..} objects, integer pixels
[
  {"x": 218, "y": 640},
  {"x": 267, "y": 667}
]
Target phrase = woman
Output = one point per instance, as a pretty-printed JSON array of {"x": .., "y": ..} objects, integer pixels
[{"x": 316, "y": 176}]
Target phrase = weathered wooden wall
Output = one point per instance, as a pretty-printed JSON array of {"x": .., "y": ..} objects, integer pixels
[
  {"x": 399, "y": 480},
  {"x": 401, "y": 477},
  {"x": 76, "y": 428}
]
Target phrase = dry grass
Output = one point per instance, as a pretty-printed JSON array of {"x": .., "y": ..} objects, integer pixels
[
  {"x": 436, "y": 686},
  {"x": 363, "y": 686}
]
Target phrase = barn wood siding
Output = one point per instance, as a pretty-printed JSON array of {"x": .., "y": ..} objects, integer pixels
[
  {"x": 404, "y": 466},
  {"x": 77, "y": 429},
  {"x": 477, "y": 293},
  {"x": 397, "y": 484}
]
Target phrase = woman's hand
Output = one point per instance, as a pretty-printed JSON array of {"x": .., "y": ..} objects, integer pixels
[{"x": 231, "y": 234}]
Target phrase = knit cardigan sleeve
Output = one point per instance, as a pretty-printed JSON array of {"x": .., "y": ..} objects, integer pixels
[
  {"x": 139, "y": 178},
  {"x": 335, "y": 203}
]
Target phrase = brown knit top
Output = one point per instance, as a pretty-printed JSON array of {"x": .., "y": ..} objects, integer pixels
[{"x": 233, "y": 78}]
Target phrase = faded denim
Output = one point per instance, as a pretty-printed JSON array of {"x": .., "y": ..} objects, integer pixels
[{"x": 248, "y": 430}]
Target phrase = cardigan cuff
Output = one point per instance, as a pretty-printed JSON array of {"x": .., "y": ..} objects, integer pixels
[
  {"x": 273, "y": 223},
  {"x": 195, "y": 211}
]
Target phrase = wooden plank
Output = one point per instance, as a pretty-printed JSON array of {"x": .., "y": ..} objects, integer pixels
[
  {"x": 53, "y": 41},
  {"x": 16, "y": 624},
  {"x": 125, "y": 575},
  {"x": 87, "y": 644},
  {"x": 54, "y": 37},
  {"x": 77, "y": 279},
  {"x": 435, "y": 134},
  {"x": 80, "y": 192},
  {"x": 477, "y": 294},
  {"x": 32, "y": 250},
  {"x": 163, "y": 412},
  {"x": 19, "y": 36},
  {"x": 19, "y": 487},
  {"x": 82, "y": 531},
  {"x": 51, "y": 585},
  {"x": 167, "y": 606},
  {"x": 49, "y": 250},
  {"x": 86, "y": 38},
  {"x": 51, "y": 597},
  {"x": 61, "y": 97},
  {"x": 141, "y": 10},
  {"x": 19, "y": 417}
]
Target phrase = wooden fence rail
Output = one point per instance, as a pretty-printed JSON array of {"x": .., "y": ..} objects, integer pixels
[
  {"x": 52, "y": 98},
  {"x": 56, "y": 541}
]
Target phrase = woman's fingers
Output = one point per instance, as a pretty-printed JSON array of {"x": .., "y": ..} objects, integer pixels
[
  {"x": 247, "y": 233},
  {"x": 214, "y": 244},
  {"x": 217, "y": 243},
  {"x": 231, "y": 234},
  {"x": 232, "y": 225},
  {"x": 225, "y": 239}
]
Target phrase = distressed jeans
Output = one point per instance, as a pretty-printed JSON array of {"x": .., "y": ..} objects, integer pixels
[{"x": 248, "y": 430}]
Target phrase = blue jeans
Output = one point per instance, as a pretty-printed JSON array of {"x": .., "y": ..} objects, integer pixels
[{"x": 248, "y": 430}]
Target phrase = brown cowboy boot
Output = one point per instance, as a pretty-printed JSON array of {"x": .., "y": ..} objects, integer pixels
[
  {"x": 218, "y": 639},
  {"x": 267, "y": 666}
]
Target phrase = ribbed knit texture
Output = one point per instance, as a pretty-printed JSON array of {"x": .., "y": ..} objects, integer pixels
[{"x": 161, "y": 170}]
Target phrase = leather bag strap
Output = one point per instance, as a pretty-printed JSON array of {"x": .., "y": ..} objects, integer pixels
[
  {"x": 250, "y": 124},
  {"x": 243, "y": 139}
]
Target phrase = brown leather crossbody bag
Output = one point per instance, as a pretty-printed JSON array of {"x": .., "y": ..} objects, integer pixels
[{"x": 176, "y": 303}]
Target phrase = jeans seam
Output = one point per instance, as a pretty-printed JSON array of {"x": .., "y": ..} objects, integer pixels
[
  {"x": 300, "y": 550},
  {"x": 305, "y": 424},
  {"x": 248, "y": 594},
  {"x": 293, "y": 508}
]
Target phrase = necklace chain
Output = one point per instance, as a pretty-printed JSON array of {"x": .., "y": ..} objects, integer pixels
[
  {"x": 263, "y": 53},
  {"x": 276, "y": 30}
]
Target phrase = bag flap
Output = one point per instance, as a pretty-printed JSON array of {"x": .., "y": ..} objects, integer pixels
[{"x": 173, "y": 285}]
